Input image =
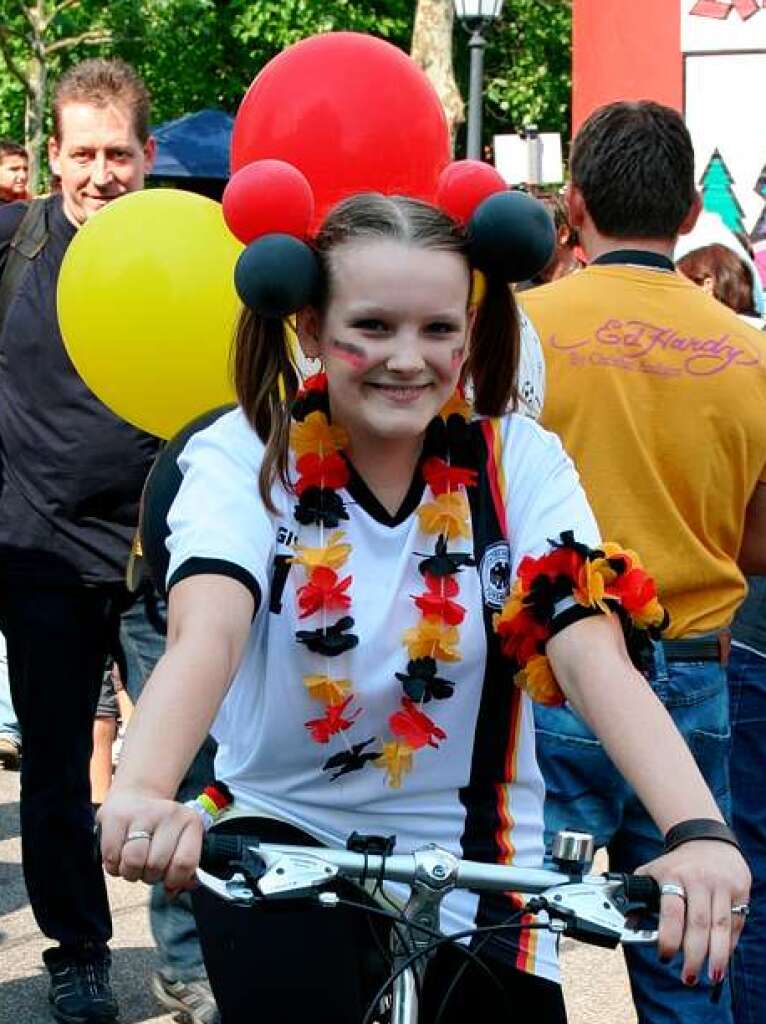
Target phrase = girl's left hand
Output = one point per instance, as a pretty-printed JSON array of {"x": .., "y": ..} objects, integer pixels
[{"x": 715, "y": 878}]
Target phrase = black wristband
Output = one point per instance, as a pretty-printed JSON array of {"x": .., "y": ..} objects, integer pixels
[{"x": 699, "y": 828}]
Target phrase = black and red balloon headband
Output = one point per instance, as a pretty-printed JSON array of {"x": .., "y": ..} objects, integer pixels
[
  {"x": 510, "y": 235},
  {"x": 341, "y": 114}
]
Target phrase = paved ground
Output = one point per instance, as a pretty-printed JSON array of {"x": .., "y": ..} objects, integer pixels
[{"x": 595, "y": 986}]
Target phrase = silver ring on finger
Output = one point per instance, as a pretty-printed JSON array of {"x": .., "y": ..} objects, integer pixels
[
  {"x": 741, "y": 909},
  {"x": 672, "y": 889},
  {"x": 139, "y": 833}
]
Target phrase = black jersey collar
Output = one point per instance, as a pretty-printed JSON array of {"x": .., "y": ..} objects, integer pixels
[{"x": 634, "y": 257}]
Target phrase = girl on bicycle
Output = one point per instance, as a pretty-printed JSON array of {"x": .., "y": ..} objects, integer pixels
[{"x": 341, "y": 608}]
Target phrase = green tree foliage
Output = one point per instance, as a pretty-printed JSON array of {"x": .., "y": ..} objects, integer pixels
[
  {"x": 200, "y": 53},
  {"x": 528, "y": 67}
]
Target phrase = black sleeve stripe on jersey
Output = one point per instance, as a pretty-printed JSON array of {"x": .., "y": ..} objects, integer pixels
[
  {"x": 217, "y": 567},
  {"x": 571, "y": 615}
]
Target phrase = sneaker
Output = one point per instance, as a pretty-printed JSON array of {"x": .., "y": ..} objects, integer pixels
[
  {"x": 191, "y": 1001},
  {"x": 10, "y": 752},
  {"x": 80, "y": 992}
]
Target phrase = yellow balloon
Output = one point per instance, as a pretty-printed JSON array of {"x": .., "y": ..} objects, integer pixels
[{"x": 147, "y": 307}]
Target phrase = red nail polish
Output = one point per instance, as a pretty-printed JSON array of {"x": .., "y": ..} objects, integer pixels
[
  {"x": 717, "y": 977},
  {"x": 690, "y": 979}
]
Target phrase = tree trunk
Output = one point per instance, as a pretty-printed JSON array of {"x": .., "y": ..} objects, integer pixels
[
  {"x": 432, "y": 50},
  {"x": 34, "y": 115}
]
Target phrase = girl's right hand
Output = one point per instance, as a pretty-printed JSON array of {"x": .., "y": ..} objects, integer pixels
[{"x": 150, "y": 839}]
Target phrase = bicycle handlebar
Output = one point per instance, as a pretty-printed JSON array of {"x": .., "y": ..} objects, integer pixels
[{"x": 593, "y": 908}]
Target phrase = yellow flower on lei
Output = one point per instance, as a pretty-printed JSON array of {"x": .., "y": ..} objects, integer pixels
[
  {"x": 328, "y": 690},
  {"x": 331, "y": 555},
  {"x": 396, "y": 761},
  {"x": 652, "y": 614},
  {"x": 612, "y": 550},
  {"x": 432, "y": 638},
  {"x": 513, "y": 605},
  {"x": 448, "y": 514},
  {"x": 539, "y": 682},
  {"x": 456, "y": 405},
  {"x": 316, "y": 435},
  {"x": 591, "y": 584}
]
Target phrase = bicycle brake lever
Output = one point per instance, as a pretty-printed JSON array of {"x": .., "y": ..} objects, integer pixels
[
  {"x": 232, "y": 890},
  {"x": 296, "y": 875},
  {"x": 242, "y": 887},
  {"x": 588, "y": 912},
  {"x": 270, "y": 875}
]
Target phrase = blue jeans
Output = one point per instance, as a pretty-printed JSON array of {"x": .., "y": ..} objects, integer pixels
[
  {"x": 747, "y": 690},
  {"x": 9, "y": 725},
  {"x": 585, "y": 791},
  {"x": 142, "y": 636}
]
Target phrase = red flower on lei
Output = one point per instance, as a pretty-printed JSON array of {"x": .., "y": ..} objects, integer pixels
[
  {"x": 324, "y": 590},
  {"x": 332, "y": 721},
  {"x": 415, "y": 728},
  {"x": 438, "y": 600}
]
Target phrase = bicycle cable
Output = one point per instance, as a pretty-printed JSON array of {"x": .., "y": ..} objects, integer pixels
[
  {"x": 398, "y": 922},
  {"x": 464, "y": 966},
  {"x": 442, "y": 940},
  {"x": 415, "y": 954}
]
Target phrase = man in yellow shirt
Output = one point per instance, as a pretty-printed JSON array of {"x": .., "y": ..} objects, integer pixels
[{"x": 659, "y": 395}]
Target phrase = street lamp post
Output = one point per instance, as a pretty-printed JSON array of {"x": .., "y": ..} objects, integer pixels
[{"x": 476, "y": 16}]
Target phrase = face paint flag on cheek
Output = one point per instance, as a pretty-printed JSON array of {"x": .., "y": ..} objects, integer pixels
[
  {"x": 457, "y": 357},
  {"x": 348, "y": 352}
]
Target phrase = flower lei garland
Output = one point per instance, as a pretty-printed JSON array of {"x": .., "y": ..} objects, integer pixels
[
  {"x": 601, "y": 579},
  {"x": 322, "y": 471}
]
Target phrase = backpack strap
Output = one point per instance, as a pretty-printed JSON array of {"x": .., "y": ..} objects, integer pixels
[{"x": 26, "y": 244}]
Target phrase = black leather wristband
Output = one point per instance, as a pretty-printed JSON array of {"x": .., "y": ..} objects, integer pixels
[{"x": 699, "y": 828}]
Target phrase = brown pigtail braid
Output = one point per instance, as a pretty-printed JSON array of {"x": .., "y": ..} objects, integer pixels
[
  {"x": 260, "y": 355},
  {"x": 493, "y": 357}
]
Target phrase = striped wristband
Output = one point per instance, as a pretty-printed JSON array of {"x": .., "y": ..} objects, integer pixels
[{"x": 211, "y": 802}]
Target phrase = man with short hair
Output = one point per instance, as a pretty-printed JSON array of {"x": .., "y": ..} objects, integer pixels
[
  {"x": 658, "y": 393},
  {"x": 14, "y": 171},
  {"x": 72, "y": 474}
]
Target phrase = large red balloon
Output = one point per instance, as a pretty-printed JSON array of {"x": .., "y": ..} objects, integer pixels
[{"x": 352, "y": 112}]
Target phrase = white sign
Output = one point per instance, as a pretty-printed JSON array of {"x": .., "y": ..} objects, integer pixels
[
  {"x": 529, "y": 161},
  {"x": 724, "y": 114},
  {"x": 717, "y": 25}
]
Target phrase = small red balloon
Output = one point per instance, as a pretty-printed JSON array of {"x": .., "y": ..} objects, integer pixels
[
  {"x": 464, "y": 184},
  {"x": 268, "y": 197},
  {"x": 352, "y": 112}
]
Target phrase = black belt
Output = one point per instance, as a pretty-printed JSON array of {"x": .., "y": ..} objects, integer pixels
[{"x": 703, "y": 648}]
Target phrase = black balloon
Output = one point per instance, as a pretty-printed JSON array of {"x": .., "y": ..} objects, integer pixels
[
  {"x": 277, "y": 275},
  {"x": 511, "y": 236},
  {"x": 160, "y": 490}
]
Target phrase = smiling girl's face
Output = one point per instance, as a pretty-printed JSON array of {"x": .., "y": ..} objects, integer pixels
[{"x": 393, "y": 338}]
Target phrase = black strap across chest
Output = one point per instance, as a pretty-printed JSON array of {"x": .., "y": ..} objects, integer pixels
[{"x": 27, "y": 243}]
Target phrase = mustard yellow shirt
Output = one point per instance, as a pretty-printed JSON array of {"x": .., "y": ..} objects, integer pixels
[{"x": 658, "y": 393}]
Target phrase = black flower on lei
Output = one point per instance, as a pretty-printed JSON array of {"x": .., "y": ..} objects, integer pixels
[
  {"x": 350, "y": 760},
  {"x": 443, "y": 562},
  {"x": 421, "y": 683},
  {"x": 320, "y": 505},
  {"x": 332, "y": 640}
]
